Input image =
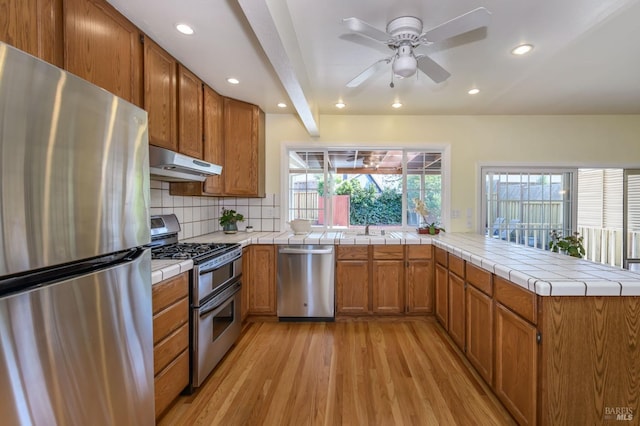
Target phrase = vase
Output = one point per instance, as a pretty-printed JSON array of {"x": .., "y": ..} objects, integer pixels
[{"x": 230, "y": 228}]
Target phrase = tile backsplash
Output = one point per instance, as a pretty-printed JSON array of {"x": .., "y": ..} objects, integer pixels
[{"x": 199, "y": 215}]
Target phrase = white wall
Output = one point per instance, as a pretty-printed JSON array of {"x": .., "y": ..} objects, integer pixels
[{"x": 585, "y": 141}]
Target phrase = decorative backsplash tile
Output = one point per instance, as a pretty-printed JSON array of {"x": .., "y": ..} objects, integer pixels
[{"x": 199, "y": 215}]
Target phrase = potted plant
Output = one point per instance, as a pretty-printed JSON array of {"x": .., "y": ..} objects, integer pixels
[
  {"x": 229, "y": 219},
  {"x": 426, "y": 228},
  {"x": 571, "y": 245}
]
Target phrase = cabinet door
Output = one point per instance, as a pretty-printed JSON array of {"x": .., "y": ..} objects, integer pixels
[
  {"x": 246, "y": 279},
  {"x": 388, "y": 286},
  {"x": 516, "y": 365},
  {"x": 456, "y": 309},
  {"x": 103, "y": 47},
  {"x": 479, "y": 315},
  {"x": 34, "y": 26},
  {"x": 420, "y": 286},
  {"x": 189, "y": 113},
  {"x": 352, "y": 286},
  {"x": 243, "y": 149},
  {"x": 262, "y": 288},
  {"x": 214, "y": 138},
  {"x": 442, "y": 295},
  {"x": 160, "y": 93}
]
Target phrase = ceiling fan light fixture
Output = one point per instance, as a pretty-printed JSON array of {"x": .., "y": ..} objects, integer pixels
[
  {"x": 522, "y": 49},
  {"x": 405, "y": 64}
]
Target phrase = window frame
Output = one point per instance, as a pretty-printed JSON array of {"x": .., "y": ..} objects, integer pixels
[
  {"x": 444, "y": 149},
  {"x": 484, "y": 169}
]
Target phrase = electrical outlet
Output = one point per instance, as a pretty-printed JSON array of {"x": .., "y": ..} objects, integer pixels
[{"x": 455, "y": 213}]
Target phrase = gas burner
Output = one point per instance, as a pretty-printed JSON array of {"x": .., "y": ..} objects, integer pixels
[{"x": 197, "y": 251}]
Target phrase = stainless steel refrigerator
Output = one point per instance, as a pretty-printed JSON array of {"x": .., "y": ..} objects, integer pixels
[{"x": 75, "y": 280}]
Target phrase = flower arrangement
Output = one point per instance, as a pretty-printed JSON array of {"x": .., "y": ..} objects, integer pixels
[
  {"x": 571, "y": 245},
  {"x": 427, "y": 228}
]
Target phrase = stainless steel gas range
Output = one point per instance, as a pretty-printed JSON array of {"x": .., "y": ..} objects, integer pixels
[{"x": 214, "y": 292}]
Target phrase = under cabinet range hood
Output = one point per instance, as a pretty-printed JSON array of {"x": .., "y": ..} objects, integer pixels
[{"x": 170, "y": 166}]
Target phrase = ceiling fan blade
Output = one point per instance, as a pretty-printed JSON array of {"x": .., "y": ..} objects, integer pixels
[
  {"x": 359, "y": 26},
  {"x": 432, "y": 69},
  {"x": 366, "y": 74},
  {"x": 472, "y": 20}
]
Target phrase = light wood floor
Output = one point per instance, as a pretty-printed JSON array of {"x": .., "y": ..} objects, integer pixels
[{"x": 373, "y": 372}]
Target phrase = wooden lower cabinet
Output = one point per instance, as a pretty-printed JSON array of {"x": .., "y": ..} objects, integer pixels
[
  {"x": 442, "y": 295},
  {"x": 419, "y": 279},
  {"x": 479, "y": 332},
  {"x": 262, "y": 283},
  {"x": 456, "y": 309},
  {"x": 516, "y": 363},
  {"x": 388, "y": 286},
  {"x": 352, "y": 287},
  {"x": 170, "y": 300}
]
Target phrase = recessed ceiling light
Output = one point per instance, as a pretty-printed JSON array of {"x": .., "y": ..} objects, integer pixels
[
  {"x": 282, "y": 105},
  {"x": 232, "y": 80},
  {"x": 184, "y": 29},
  {"x": 340, "y": 105},
  {"x": 473, "y": 91},
  {"x": 396, "y": 105},
  {"x": 523, "y": 49}
]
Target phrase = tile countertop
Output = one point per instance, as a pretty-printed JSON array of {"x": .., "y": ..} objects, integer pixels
[{"x": 542, "y": 272}]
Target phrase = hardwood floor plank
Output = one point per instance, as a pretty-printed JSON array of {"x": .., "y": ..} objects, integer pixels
[{"x": 373, "y": 372}]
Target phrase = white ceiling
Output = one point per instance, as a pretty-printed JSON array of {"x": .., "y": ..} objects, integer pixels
[{"x": 586, "y": 58}]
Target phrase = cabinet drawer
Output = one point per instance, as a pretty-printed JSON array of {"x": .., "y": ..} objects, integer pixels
[
  {"x": 479, "y": 278},
  {"x": 170, "y": 319},
  {"x": 516, "y": 298},
  {"x": 170, "y": 382},
  {"x": 456, "y": 265},
  {"x": 353, "y": 252},
  {"x": 170, "y": 347},
  {"x": 419, "y": 251},
  {"x": 442, "y": 257},
  {"x": 167, "y": 292},
  {"x": 391, "y": 252}
]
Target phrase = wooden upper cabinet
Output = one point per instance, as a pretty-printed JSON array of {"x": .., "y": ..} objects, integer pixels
[
  {"x": 160, "y": 70},
  {"x": 244, "y": 149},
  {"x": 34, "y": 26},
  {"x": 189, "y": 113},
  {"x": 213, "y": 138},
  {"x": 103, "y": 47}
]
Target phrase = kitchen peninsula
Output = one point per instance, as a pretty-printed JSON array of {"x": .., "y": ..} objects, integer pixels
[{"x": 555, "y": 337}]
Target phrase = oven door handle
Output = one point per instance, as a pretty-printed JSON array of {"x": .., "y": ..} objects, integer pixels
[{"x": 214, "y": 304}]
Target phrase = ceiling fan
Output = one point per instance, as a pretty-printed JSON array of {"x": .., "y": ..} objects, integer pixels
[{"x": 404, "y": 35}]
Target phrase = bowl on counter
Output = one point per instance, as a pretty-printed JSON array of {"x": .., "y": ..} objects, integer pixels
[{"x": 300, "y": 226}]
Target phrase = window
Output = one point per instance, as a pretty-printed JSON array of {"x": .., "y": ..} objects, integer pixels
[
  {"x": 347, "y": 187},
  {"x": 524, "y": 205}
]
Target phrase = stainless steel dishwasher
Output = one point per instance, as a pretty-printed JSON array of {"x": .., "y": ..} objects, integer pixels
[{"x": 305, "y": 282}]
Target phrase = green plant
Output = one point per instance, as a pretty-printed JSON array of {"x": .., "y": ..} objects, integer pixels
[
  {"x": 433, "y": 227},
  {"x": 571, "y": 245},
  {"x": 230, "y": 217}
]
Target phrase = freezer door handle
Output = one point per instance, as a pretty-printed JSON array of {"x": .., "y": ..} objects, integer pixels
[{"x": 287, "y": 250}]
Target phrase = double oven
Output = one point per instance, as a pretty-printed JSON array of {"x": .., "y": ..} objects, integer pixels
[{"x": 215, "y": 282}]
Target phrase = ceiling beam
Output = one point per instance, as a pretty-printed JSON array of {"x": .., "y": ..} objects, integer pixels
[{"x": 271, "y": 23}]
